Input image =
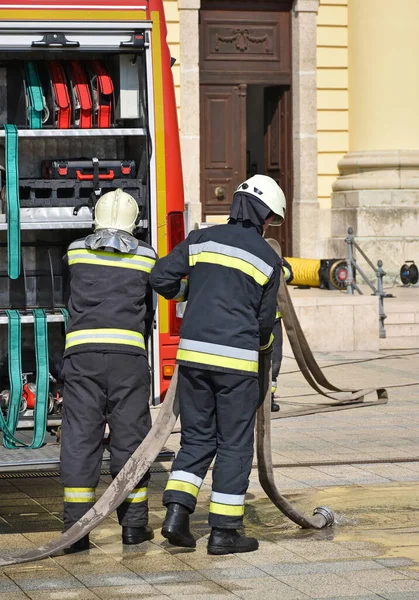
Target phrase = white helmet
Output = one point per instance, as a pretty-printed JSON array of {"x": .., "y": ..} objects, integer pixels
[
  {"x": 266, "y": 190},
  {"x": 116, "y": 210}
]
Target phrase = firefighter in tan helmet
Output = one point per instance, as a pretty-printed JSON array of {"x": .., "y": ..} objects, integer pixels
[
  {"x": 105, "y": 368},
  {"x": 233, "y": 279}
]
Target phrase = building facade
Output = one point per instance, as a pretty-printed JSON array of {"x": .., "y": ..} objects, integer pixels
[{"x": 317, "y": 93}]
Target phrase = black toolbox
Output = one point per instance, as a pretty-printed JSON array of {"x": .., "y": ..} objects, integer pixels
[{"x": 84, "y": 169}]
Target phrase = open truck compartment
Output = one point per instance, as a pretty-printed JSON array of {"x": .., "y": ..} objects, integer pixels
[{"x": 76, "y": 121}]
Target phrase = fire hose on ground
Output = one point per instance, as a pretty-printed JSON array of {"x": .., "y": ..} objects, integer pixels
[{"x": 148, "y": 451}]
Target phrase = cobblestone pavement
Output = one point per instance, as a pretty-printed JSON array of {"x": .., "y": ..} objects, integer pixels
[{"x": 363, "y": 463}]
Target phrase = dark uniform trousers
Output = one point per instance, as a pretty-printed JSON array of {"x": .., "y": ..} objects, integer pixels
[
  {"x": 103, "y": 387},
  {"x": 217, "y": 412},
  {"x": 276, "y": 352}
]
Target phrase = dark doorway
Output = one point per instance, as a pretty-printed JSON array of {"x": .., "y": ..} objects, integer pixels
[
  {"x": 245, "y": 73},
  {"x": 268, "y": 140}
]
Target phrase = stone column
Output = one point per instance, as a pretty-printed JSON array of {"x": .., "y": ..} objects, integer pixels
[
  {"x": 306, "y": 207},
  {"x": 189, "y": 117},
  {"x": 377, "y": 192}
]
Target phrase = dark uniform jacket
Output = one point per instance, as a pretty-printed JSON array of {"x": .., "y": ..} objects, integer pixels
[
  {"x": 233, "y": 279},
  {"x": 109, "y": 299}
]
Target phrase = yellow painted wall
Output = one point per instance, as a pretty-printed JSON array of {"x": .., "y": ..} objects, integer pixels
[
  {"x": 332, "y": 98},
  {"x": 384, "y": 89},
  {"x": 173, "y": 37}
]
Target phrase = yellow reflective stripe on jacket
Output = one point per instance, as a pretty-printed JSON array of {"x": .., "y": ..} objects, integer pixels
[
  {"x": 231, "y": 262},
  {"x": 110, "y": 259},
  {"x": 137, "y": 495},
  {"x": 210, "y": 246},
  {"x": 226, "y": 510},
  {"x": 217, "y": 361},
  {"x": 278, "y": 314},
  {"x": 218, "y": 355},
  {"x": 269, "y": 344},
  {"x": 79, "y": 494},
  {"x": 105, "y": 336},
  {"x": 183, "y": 486}
]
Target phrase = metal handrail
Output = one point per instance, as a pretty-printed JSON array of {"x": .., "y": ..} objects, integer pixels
[{"x": 378, "y": 270}]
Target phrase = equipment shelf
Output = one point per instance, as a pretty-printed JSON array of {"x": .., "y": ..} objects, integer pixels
[
  {"x": 51, "y": 318},
  {"x": 53, "y": 133}
]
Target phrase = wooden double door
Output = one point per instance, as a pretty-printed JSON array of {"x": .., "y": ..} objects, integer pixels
[{"x": 245, "y": 106}]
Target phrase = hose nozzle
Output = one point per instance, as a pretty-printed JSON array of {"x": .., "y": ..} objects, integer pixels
[{"x": 326, "y": 513}]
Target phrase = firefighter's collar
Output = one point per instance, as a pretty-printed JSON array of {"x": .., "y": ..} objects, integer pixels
[{"x": 112, "y": 238}]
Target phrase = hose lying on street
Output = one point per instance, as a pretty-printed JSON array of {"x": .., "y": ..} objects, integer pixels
[
  {"x": 122, "y": 485},
  {"x": 148, "y": 451},
  {"x": 323, "y": 516}
]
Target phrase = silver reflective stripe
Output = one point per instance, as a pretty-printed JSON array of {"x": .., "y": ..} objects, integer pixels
[
  {"x": 140, "y": 251},
  {"x": 186, "y": 477},
  {"x": 134, "y": 495},
  {"x": 218, "y": 350},
  {"x": 87, "y": 495},
  {"x": 231, "y": 499},
  {"x": 77, "y": 245},
  {"x": 234, "y": 252},
  {"x": 113, "y": 258},
  {"x": 99, "y": 336}
]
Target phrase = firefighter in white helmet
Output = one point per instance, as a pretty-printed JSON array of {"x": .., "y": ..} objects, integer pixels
[
  {"x": 105, "y": 369},
  {"x": 233, "y": 279}
]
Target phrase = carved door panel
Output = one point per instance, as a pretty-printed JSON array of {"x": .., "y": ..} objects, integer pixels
[
  {"x": 245, "y": 46},
  {"x": 223, "y": 145},
  {"x": 277, "y": 120}
]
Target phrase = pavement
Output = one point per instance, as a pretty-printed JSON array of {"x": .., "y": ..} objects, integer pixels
[{"x": 363, "y": 463}]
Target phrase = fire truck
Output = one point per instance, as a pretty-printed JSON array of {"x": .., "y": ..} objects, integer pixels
[{"x": 87, "y": 105}]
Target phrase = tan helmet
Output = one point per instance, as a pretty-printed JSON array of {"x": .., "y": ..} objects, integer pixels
[
  {"x": 116, "y": 210},
  {"x": 266, "y": 190}
]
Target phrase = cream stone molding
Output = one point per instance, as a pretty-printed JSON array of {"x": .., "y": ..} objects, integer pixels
[
  {"x": 378, "y": 170},
  {"x": 189, "y": 114},
  {"x": 306, "y": 207},
  {"x": 306, "y": 6},
  {"x": 189, "y": 4}
]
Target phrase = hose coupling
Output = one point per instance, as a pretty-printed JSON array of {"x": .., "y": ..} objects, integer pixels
[{"x": 327, "y": 513}]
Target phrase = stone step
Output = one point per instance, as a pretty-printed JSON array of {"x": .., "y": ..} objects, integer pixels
[
  {"x": 399, "y": 343},
  {"x": 402, "y": 329},
  {"x": 401, "y": 318},
  {"x": 393, "y": 306}
]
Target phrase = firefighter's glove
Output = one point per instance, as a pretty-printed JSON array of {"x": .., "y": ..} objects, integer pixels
[{"x": 267, "y": 349}]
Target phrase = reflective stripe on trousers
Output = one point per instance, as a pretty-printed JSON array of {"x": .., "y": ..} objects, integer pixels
[
  {"x": 137, "y": 495},
  {"x": 182, "y": 481},
  {"x": 218, "y": 355},
  {"x": 227, "y": 505},
  {"x": 105, "y": 336},
  {"x": 77, "y": 494}
]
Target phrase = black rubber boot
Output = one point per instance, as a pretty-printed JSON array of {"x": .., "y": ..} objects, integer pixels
[
  {"x": 136, "y": 535},
  {"x": 176, "y": 526},
  {"x": 229, "y": 541},
  {"x": 79, "y": 546},
  {"x": 274, "y": 405}
]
